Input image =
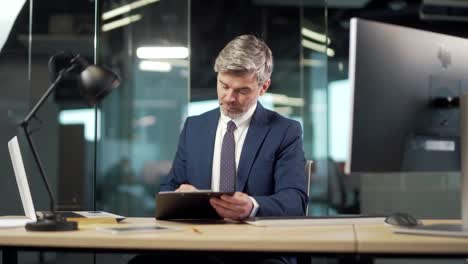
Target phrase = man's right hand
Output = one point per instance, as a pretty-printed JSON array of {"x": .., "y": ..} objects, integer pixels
[{"x": 186, "y": 188}]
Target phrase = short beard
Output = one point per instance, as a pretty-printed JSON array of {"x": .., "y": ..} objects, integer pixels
[{"x": 232, "y": 116}]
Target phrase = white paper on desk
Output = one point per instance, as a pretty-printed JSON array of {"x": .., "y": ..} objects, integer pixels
[
  {"x": 128, "y": 229},
  {"x": 317, "y": 221},
  {"x": 14, "y": 222},
  {"x": 447, "y": 230},
  {"x": 97, "y": 214}
]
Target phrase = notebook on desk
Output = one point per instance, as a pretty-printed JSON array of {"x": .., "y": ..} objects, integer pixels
[
  {"x": 26, "y": 199},
  {"x": 314, "y": 220}
]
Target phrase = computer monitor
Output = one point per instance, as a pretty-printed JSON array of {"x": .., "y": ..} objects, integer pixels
[{"x": 406, "y": 83}]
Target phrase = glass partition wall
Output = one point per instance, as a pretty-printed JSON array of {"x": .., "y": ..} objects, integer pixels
[
  {"x": 148, "y": 45},
  {"x": 309, "y": 40},
  {"x": 114, "y": 156},
  {"x": 140, "y": 123},
  {"x": 15, "y": 94},
  {"x": 64, "y": 127}
]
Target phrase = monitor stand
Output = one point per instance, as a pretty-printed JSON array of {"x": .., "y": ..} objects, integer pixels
[{"x": 456, "y": 230}]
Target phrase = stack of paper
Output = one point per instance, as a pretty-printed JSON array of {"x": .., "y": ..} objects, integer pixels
[{"x": 14, "y": 222}]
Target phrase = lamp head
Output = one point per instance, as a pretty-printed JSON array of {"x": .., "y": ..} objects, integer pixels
[{"x": 94, "y": 82}]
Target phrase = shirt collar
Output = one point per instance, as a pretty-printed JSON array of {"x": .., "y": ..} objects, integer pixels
[{"x": 239, "y": 121}]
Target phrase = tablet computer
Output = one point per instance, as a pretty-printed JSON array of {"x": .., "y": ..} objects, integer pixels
[{"x": 186, "y": 205}]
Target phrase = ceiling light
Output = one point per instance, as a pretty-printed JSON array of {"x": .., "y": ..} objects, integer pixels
[
  {"x": 120, "y": 22},
  {"x": 313, "y": 63},
  {"x": 157, "y": 66},
  {"x": 162, "y": 52},
  {"x": 315, "y": 36},
  {"x": 317, "y": 47},
  {"x": 126, "y": 8}
]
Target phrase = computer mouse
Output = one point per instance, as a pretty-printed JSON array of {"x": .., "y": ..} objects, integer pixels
[{"x": 402, "y": 219}]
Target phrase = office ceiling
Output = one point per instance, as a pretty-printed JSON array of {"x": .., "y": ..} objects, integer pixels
[
  {"x": 240, "y": 15},
  {"x": 278, "y": 21},
  {"x": 314, "y": 3}
]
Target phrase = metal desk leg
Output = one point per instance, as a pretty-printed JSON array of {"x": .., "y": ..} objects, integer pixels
[
  {"x": 9, "y": 256},
  {"x": 365, "y": 259}
]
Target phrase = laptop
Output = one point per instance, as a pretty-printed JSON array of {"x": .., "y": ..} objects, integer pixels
[
  {"x": 23, "y": 187},
  {"x": 26, "y": 199}
]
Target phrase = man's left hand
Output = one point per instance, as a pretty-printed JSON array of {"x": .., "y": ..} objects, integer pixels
[{"x": 235, "y": 207}]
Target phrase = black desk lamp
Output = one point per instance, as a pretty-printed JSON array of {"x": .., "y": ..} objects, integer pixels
[{"x": 94, "y": 83}]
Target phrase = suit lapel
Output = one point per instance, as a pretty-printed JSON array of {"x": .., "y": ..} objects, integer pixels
[
  {"x": 258, "y": 129},
  {"x": 208, "y": 148}
]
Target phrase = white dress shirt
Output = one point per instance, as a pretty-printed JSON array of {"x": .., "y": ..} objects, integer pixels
[{"x": 242, "y": 124}]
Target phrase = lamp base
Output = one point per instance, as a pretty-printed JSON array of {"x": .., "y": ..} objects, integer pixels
[{"x": 52, "y": 225}]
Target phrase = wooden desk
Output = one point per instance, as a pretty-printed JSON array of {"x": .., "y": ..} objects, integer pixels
[
  {"x": 380, "y": 240},
  {"x": 372, "y": 240},
  {"x": 226, "y": 237}
]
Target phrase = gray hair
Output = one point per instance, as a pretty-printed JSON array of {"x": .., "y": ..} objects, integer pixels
[{"x": 246, "y": 54}]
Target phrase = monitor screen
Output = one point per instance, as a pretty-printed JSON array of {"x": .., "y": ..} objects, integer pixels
[{"x": 405, "y": 86}]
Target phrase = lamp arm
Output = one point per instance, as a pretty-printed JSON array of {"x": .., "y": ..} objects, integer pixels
[
  {"x": 39, "y": 166},
  {"x": 25, "y": 125},
  {"x": 42, "y": 100}
]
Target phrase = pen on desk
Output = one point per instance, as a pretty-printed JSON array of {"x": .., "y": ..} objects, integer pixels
[{"x": 196, "y": 230}]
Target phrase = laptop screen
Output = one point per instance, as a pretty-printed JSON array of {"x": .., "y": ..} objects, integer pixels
[{"x": 21, "y": 179}]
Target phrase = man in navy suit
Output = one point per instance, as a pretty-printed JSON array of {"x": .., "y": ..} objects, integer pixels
[
  {"x": 268, "y": 155},
  {"x": 242, "y": 147}
]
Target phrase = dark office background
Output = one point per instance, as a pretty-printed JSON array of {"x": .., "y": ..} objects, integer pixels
[{"x": 116, "y": 162}]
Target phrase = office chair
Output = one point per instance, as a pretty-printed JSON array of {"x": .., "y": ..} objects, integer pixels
[
  {"x": 308, "y": 172},
  {"x": 340, "y": 197}
]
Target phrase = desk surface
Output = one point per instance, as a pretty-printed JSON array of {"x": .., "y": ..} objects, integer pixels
[
  {"x": 380, "y": 239},
  {"x": 359, "y": 238},
  {"x": 212, "y": 237}
]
